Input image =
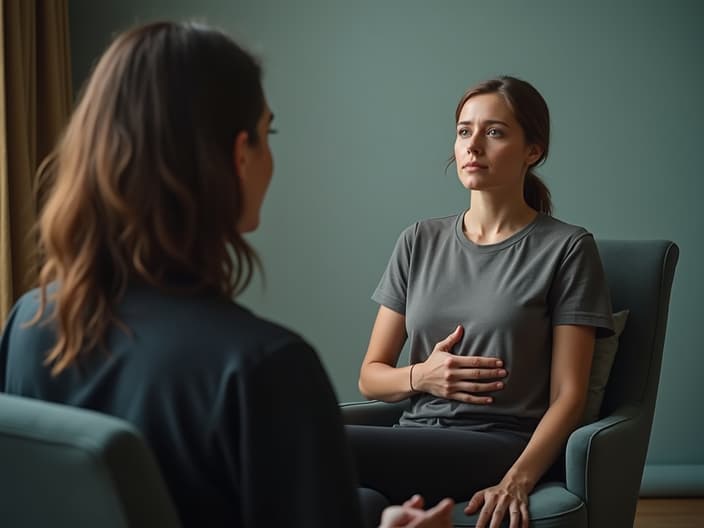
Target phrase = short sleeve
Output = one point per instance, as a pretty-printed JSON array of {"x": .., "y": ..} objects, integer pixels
[
  {"x": 393, "y": 286},
  {"x": 579, "y": 294}
]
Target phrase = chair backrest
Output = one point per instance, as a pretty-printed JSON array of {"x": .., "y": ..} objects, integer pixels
[
  {"x": 62, "y": 466},
  {"x": 640, "y": 275}
]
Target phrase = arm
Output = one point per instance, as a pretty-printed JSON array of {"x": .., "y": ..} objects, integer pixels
[
  {"x": 571, "y": 362},
  {"x": 379, "y": 377},
  {"x": 443, "y": 374},
  {"x": 292, "y": 445}
]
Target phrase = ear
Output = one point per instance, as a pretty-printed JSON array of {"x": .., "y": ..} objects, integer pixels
[
  {"x": 534, "y": 154},
  {"x": 241, "y": 154}
]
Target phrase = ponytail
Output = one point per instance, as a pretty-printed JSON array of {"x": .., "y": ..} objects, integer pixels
[{"x": 537, "y": 194}]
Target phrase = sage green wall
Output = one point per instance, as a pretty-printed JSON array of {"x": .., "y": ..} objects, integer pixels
[{"x": 364, "y": 93}]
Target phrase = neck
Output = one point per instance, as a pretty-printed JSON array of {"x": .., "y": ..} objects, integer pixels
[{"x": 492, "y": 218}]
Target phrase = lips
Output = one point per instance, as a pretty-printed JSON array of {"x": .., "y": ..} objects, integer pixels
[{"x": 474, "y": 165}]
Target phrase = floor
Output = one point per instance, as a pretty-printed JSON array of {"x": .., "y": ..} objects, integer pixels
[{"x": 670, "y": 513}]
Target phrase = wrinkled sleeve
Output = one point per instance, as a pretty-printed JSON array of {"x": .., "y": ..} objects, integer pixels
[
  {"x": 579, "y": 294},
  {"x": 393, "y": 286},
  {"x": 294, "y": 465}
]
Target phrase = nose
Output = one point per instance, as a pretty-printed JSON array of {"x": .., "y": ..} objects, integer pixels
[{"x": 473, "y": 144}]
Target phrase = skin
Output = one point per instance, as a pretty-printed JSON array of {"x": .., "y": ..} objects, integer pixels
[
  {"x": 254, "y": 166},
  {"x": 492, "y": 160},
  {"x": 253, "y": 163},
  {"x": 411, "y": 515}
]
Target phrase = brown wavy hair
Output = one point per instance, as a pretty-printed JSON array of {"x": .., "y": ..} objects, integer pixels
[
  {"x": 532, "y": 113},
  {"x": 143, "y": 181}
]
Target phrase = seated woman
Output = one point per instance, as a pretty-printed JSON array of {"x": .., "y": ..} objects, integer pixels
[
  {"x": 501, "y": 304},
  {"x": 162, "y": 168}
]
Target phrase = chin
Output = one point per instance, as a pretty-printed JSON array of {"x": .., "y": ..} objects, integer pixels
[
  {"x": 471, "y": 184},
  {"x": 248, "y": 226}
]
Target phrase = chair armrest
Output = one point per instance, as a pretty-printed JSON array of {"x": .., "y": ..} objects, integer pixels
[
  {"x": 373, "y": 412},
  {"x": 619, "y": 440}
]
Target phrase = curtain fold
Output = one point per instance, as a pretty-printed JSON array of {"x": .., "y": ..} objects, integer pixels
[{"x": 35, "y": 102}]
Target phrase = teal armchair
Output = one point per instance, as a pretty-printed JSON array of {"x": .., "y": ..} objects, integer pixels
[
  {"x": 66, "y": 467},
  {"x": 603, "y": 460}
]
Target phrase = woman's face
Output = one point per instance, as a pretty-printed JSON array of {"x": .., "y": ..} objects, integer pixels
[
  {"x": 490, "y": 148},
  {"x": 255, "y": 166}
]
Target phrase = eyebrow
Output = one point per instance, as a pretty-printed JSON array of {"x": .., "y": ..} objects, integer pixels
[{"x": 488, "y": 122}]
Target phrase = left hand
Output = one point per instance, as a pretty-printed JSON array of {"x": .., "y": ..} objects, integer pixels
[
  {"x": 506, "y": 498},
  {"x": 412, "y": 515}
]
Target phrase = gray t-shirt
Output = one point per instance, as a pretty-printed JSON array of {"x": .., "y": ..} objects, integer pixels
[{"x": 507, "y": 297}]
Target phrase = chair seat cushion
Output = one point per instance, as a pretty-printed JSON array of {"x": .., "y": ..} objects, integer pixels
[{"x": 551, "y": 506}]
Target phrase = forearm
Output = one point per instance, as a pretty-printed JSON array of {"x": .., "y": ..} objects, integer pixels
[
  {"x": 381, "y": 381},
  {"x": 571, "y": 363},
  {"x": 546, "y": 443}
]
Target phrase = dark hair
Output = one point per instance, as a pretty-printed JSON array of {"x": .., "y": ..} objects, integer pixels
[
  {"x": 532, "y": 114},
  {"x": 143, "y": 180}
]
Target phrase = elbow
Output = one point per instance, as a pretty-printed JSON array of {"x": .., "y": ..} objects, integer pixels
[{"x": 363, "y": 389}]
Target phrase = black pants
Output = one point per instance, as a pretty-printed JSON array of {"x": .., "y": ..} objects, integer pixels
[{"x": 435, "y": 462}]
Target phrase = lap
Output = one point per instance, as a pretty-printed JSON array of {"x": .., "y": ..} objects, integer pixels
[{"x": 435, "y": 462}]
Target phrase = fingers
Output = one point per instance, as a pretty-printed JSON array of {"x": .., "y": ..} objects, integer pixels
[
  {"x": 474, "y": 503},
  {"x": 518, "y": 515},
  {"x": 439, "y": 516},
  {"x": 495, "y": 509},
  {"x": 478, "y": 362},
  {"x": 416, "y": 501},
  {"x": 411, "y": 515},
  {"x": 487, "y": 512},
  {"x": 474, "y": 387},
  {"x": 482, "y": 373},
  {"x": 468, "y": 392},
  {"x": 444, "y": 506},
  {"x": 395, "y": 516},
  {"x": 525, "y": 515},
  {"x": 468, "y": 398},
  {"x": 500, "y": 511},
  {"x": 451, "y": 340},
  {"x": 515, "y": 518}
]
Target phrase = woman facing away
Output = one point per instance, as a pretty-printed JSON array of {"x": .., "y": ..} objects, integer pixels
[
  {"x": 501, "y": 304},
  {"x": 162, "y": 168}
]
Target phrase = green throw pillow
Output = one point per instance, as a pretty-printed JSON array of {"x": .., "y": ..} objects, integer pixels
[{"x": 604, "y": 353}]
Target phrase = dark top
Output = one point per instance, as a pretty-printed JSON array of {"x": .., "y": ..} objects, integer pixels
[{"x": 238, "y": 410}]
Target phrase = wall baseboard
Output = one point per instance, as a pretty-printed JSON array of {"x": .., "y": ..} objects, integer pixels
[{"x": 681, "y": 480}]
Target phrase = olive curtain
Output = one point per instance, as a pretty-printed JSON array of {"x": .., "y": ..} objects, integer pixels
[{"x": 35, "y": 102}]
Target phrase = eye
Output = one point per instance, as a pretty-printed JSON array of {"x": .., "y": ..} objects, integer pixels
[
  {"x": 494, "y": 132},
  {"x": 464, "y": 132}
]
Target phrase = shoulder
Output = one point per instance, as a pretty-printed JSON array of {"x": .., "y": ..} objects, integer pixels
[
  {"x": 555, "y": 232},
  {"x": 26, "y": 309},
  {"x": 221, "y": 323},
  {"x": 430, "y": 227},
  {"x": 19, "y": 334},
  {"x": 437, "y": 224},
  {"x": 29, "y": 302},
  {"x": 560, "y": 228}
]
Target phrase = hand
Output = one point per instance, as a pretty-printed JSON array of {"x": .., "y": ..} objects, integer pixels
[
  {"x": 508, "y": 497},
  {"x": 455, "y": 377},
  {"x": 412, "y": 515}
]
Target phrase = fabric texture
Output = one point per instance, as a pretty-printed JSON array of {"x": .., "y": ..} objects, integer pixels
[
  {"x": 238, "y": 411},
  {"x": 507, "y": 296},
  {"x": 35, "y": 102},
  {"x": 436, "y": 462},
  {"x": 604, "y": 353}
]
